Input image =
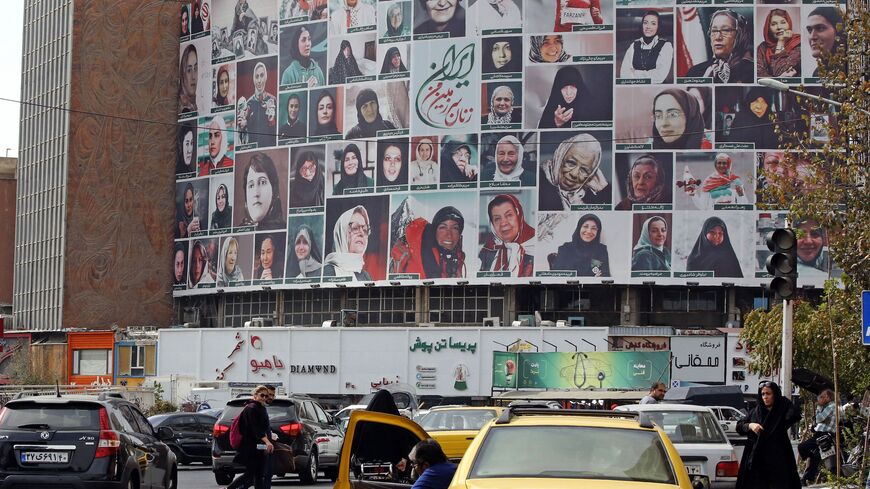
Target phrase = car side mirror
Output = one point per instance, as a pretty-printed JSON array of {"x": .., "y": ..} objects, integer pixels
[{"x": 165, "y": 433}]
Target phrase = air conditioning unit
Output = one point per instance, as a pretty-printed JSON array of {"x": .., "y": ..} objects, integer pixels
[
  {"x": 491, "y": 322},
  {"x": 329, "y": 323},
  {"x": 256, "y": 323},
  {"x": 575, "y": 321}
]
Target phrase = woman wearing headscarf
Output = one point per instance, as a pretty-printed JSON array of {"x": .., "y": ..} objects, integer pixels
[
  {"x": 222, "y": 217},
  {"x": 584, "y": 253},
  {"x": 189, "y": 70},
  {"x": 222, "y": 97},
  {"x": 352, "y": 174},
  {"x": 754, "y": 122},
  {"x": 179, "y": 263},
  {"x": 393, "y": 62},
  {"x": 649, "y": 252},
  {"x": 324, "y": 115},
  {"x": 497, "y": 55},
  {"x": 186, "y": 219},
  {"x": 306, "y": 190},
  {"x": 424, "y": 170},
  {"x": 368, "y": 116},
  {"x": 456, "y": 164},
  {"x": 723, "y": 186},
  {"x": 393, "y": 166},
  {"x": 768, "y": 459},
  {"x": 303, "y": 69},
  {"x": 569, "y": 100},
  {"x": 644, "y": 183},
  {"x": 217, "y": 147},
  {"x": 497, "y": 14},
  {"x": 263, "y": 208},
  {"x": 548, "y": 49},
  {"x": 713, "y": 251},
  {"x": 229, "y": 269},
  {"x": 780, "y": 52},
  {"x": 440, "y": 19},
  {"x": 185, "y": 156},
  {"x": 431, "y": 250},
  {"x": 730, "y": 38},
  {"x": 812, "y": 257},
  {"x": 304, "y": 259},
  {"x": 506, "y": 163},
  {"x": 295, "y": 125},
  {"x": 350, "y": 240},
  {"x": 509, "y": 246},
  {"x": 501, "y": 107},
  {"x": 196, "y": 22},
  {"x": 677, "y": 121},
  {"x": 345, "y": 65},
  {"x": 577, "y": 12},
  {"x": 574, "y": 175},
  {"x": 396, "y": 26},
  {"x": 650, "y": 56}
]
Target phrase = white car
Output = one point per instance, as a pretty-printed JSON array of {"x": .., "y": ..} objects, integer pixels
[
  {"x": 728, "y": 417},
  {"x": 698, "y": 438}
]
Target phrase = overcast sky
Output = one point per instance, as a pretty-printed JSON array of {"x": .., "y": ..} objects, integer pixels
[{"x": 10, "y": 82}]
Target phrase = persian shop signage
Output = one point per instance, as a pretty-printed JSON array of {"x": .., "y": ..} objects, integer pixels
[{"x": 443, "y": 344}]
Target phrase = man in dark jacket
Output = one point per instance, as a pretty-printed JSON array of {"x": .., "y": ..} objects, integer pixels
[
  {"x": 256, "y": 442},
  {"x": 430, "y": 462}
]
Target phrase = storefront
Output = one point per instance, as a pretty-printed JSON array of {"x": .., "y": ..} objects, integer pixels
[{"x": 90, "y": 357}]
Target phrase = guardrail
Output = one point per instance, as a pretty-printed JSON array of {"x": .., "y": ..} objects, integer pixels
[{"x": 143, "y": 397}]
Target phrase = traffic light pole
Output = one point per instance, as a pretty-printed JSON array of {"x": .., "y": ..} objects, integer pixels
[{"x": 787, "y": 337}]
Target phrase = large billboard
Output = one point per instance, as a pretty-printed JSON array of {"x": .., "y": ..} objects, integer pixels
[
  {"x": 580, "y": 370},
  {"x": 407, "y": 141}
]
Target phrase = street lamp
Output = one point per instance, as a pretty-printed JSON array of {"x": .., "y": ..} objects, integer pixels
[{"x": 782, "y": 87}]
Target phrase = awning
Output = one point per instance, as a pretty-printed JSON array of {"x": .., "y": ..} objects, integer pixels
[{"x": 573, "y": 395}]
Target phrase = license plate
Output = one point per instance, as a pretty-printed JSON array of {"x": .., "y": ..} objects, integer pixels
[
  {"x": 693, "y": 469},
  {"x": 827, "y": 453},
  {"x": 45, "y": 457}
]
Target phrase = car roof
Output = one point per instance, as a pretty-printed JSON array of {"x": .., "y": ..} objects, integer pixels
[
  {"x": 578, "y": 420},
  {"x": 66, "y": 398},
  {"x": 465, "y": 408},
  {"x": 664, "y": 407}
]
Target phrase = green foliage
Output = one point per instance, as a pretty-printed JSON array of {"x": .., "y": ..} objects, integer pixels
[{"x": 160, "y": 405}]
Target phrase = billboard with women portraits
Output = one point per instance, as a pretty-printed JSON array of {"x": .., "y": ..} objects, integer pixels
[{"x": 401, "y": 142}]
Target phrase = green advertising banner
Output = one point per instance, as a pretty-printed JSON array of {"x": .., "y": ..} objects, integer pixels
[{"x": 580, "y": 370}]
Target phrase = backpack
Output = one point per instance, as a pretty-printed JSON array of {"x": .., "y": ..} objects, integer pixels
[{"x": 236, "y": 430}]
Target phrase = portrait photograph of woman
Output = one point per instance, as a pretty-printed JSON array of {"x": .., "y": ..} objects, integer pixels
[
  {"x": 584, "y": 254},
  {"x": 350, "y": 16},
  {"x": 200, "y": 263},
  {"x": 191, "y": 204},
  {"x": 303, "y": 55},
  {"x": 719, "y": 43},
  {"x": 194, "y": 70},
  {"x": 459, "y": 160},
  {"x": 558, "y": 96},
  {"x": 541, "y": 16},
  {"x": 257, "y": 107},
  {"x": 221, "y": 202},
  {"x": 824, "y": 26},
  {"x": 352, "y": 59},
  {"x": 778, "y": 54},
  {"x": 709, "y": 181},
  {"x": 395, "y": 21},
  {"x": 749, "y": 115},
  {"x": 305, "y": 248},
  {"x": 350, "y": 172},
  {"x": 376, "y": 107},
  {"x": 235, "y": 261},
  {"x": 261, "y": 190},
  {"x": 326, "y": 116},
  {"x": 216, "y": 148},
  {"x": 439, "y": 18},
  {"x": 644, "y": 44},
  {"x": 292, "y": 115},
  {"x": 179, "y": 265},
  {"x": 704, "y": 243},
  {"x": 507, "y": 232},
  {"x": 424, "y": 168},
  {"x": 486, "y": 16},
  {"x": 436, "y": 236},
  {"x": 501, "y": 57},
  {"x": 651, "y": 250},
  {"x": 247, "y": 25},
  {"x": 575, "y": 170},
  {"x": 590, "y": 244},
  {"x": 269, "y": 257},
  {"x": 392, "y": 163},
  {"x": 394, "y": 61},
  {"x": 643, "y": 179},
  {"x": 307, "y": 180},
  {"x": 509, "y": 159},
  {"x": 663, "y": 117},
  {"x": 185, "y": 154},
  {"x": 224, "y": 86},
  {"x": 502, "y": 105},
  {"x": 356, "y": 238}
]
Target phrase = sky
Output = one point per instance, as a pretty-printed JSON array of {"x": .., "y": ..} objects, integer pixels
[{"x": 11, "y": 25}]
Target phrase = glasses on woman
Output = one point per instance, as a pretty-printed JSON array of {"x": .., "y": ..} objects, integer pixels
[
  {"x": 355, "y": 228},
  {"x": 723, "y": 32},
  {"x": 669, "y": 114}
]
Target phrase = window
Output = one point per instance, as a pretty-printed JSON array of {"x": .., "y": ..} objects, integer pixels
[
  {"x": 242, "y": 307},
  {"x": 458, "y": 305},
  {"x": 382, "y": 305},
  {"x": 311, "y": 307},
  {"x": 91, "y": 362}
]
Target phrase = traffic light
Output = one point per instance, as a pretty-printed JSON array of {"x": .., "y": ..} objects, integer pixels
[{"x": 782, "y": 263}]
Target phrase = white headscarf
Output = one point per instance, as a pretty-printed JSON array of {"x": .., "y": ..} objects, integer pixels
[
  {"x": 494, "y": 118},
  {"x": 223, "y": 277},
  {"x": 346, "y": 264},
  {"x": 514, "y": 175},
  {"x": 222, "y": 127},
  {"x": 596, "y": 181}
]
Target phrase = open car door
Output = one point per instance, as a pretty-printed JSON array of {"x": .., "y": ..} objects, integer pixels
[{"x": 373, "y": 444}]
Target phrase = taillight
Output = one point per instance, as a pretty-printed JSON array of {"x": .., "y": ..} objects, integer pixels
[
  {"x": 3, "y": 412},
  {"x": 109, "y": 442},
  {"x": 219, "y": 430},
  {"x": 291, "y": 429},
  {"x": 727, "y": 469}
]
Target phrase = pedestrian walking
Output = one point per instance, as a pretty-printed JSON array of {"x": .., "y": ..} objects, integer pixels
[
  {"x": 267, "y": 462},
  {"x": 256, "y": 441},
  {"x": 768, "y": 460}
]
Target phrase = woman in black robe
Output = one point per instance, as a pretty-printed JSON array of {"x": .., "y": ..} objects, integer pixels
[
  {"x": 222, "y": 218},
  {"x": 345, "y": 65},
  {"x": 456, "y": 164},
  {"x": 498, "y": 55},
  {"x": 324, "y": 126},
  {"x": 713, "y": 251},
  {"x": 768, "y": 459},
  {"x": 584, "y": 253},
  {"x": 570, "y": 100},
  {"x": 307, "y": 188},
  {"x": 358, "y": 178},
  {"x": 393, "y": 62},
  {"x": 753, "y": 122},
  {"x": 692, "y": 135},
  {"x": 366, "y": 128}
]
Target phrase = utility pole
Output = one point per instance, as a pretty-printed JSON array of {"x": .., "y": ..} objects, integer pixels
[{"x": 787, "y": 352}]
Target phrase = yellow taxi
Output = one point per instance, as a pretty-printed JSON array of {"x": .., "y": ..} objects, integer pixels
[
  {"x": 523, "y": 448},
  {"x": 454, "y": 427}
]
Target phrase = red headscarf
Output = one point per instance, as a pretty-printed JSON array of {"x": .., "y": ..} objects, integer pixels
[
  {"x": 526, "y": 233},
  {"x": 770, "y": 40}
]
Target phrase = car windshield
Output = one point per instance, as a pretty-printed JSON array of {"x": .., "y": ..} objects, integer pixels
[
  {"x": 688, "y": 426},
  {"x": 31, "y": 415},
  {"x": 573, "y": 452},
  {"x": 456, "y": 419}
]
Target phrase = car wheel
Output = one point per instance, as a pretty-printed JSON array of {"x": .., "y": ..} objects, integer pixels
[
  {"x": 308, "y": 475},
  {"x": 133, "y": 483},
  {"x": 223, "y": 478},
  {"x": 331, "y": 473},
  {"x": 173, "y": 478}
]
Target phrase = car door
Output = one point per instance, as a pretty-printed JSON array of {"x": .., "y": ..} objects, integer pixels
[
  {"x": 153, "y": 458},
  {"x": 332, "y": 444},
  {"x": 204, "y": 429},
  {"x": 186, "y": 434}
]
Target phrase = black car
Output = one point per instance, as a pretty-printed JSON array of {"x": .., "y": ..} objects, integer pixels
[
  {"x": 78, "y": 441},
  {"x": 313, "y": 436},
  {"x": 193, "y": 434}
]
